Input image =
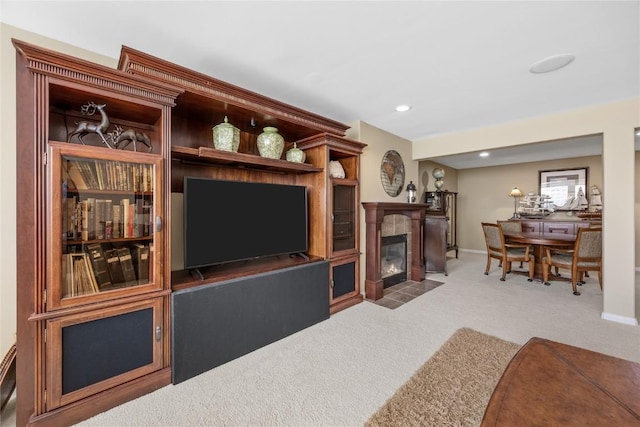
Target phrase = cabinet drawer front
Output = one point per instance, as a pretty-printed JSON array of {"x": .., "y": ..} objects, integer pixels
[
  {"x": 531, "y": 227},
  {"x": 560, "y": 228}
]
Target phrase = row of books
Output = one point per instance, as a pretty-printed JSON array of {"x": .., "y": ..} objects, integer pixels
[
  {"x": 102, "y": 219},
  {"x": 102, "y": 268},
  {"x": 108, "y": 175}
]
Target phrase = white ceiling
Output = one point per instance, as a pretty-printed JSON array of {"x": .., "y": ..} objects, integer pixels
[{"x": 460, "y": 64}]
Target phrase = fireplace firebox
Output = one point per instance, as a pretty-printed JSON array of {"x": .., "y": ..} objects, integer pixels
[{"x": 393, "y": 262}]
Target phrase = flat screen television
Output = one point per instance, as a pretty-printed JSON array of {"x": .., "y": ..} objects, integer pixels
[{"x": 226, "y": 221}]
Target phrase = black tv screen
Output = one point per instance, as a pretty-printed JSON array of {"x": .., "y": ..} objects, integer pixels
[{"x": 226, "y": 221}]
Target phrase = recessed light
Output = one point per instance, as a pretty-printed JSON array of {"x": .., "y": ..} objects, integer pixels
[
  {"x": 402, "y": 108},
  {"x": 484, "y": 154},
  {"x": 552, "y": 63}
]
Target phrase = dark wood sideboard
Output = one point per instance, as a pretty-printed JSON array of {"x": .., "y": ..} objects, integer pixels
[{"x": 556, "y": 226}]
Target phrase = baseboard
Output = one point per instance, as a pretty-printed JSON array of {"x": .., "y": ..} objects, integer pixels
[
  {"x": 473, "y": 251},
  {"x": 620, "y": 319}
]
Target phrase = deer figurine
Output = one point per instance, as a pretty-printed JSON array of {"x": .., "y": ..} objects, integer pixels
[
  {"x": 84, "y": 128},
  {"x": 121, "y": 139}
]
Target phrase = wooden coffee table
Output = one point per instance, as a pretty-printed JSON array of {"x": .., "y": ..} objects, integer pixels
[{"x": 553, "y": 384}]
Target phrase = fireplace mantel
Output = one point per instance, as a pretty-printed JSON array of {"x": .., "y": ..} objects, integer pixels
[{"x": 374, "y": 213}]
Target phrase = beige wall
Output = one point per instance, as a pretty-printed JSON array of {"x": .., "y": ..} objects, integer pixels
[
  {"x": 8, "y": 166},
  {"x": 378, "y": 143},
  {"x": 425, "y": 171},
  {"x": 616, "y": 123}
]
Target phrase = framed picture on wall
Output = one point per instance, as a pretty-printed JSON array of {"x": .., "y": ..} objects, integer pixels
[{"x": 566, "y": 188}]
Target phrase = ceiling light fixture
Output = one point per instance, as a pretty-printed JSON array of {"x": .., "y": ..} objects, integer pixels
[
  {"x": 552, "y": 63},
  {"x": 402, "y": 108},
  {"x": 484, "y": 154}
]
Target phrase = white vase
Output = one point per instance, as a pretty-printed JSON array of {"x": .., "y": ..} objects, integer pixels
[{"x": 270, "y": 143}]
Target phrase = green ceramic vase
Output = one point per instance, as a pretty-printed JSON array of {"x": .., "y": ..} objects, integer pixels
[{"x": 270, "y": 143}]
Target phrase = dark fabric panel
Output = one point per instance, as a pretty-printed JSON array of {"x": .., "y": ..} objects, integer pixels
[
  {"x": 344, "y": 277},
  {"x": 213, "y": 324},
  {"x": 103, "y": 348}
]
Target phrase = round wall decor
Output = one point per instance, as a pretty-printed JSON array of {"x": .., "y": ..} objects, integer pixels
[{"x": 392, "y": 173}]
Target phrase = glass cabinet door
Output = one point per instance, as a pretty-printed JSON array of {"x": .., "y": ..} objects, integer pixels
[
  {"x": 344, "y": 217},
  {"x": 108, "y": 208}
]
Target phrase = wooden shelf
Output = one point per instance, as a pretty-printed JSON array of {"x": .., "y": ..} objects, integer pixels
[
  {"x": 213, "y": 156},
  {"x": 182, "y": 279}
]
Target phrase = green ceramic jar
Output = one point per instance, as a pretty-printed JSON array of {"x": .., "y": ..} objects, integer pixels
[
  {"x": 270, "y": 143},
  {"x": 294, "y": 154},
  {"x": 226, "y": 137}
]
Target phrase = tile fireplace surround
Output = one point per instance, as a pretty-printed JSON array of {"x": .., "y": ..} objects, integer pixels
[{"x": 375, "y": 213}]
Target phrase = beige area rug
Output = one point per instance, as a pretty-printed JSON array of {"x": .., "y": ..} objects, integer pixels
[{"x": 453, "y": 387}]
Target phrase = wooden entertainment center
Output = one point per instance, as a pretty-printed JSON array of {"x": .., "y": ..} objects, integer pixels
[{"x": 73, "y": 331}]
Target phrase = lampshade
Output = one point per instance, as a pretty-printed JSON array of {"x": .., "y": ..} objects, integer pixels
[{"x": 515, "y": 192}]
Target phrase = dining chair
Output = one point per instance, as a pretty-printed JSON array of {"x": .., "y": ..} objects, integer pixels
[
  {"x": 585, "y": 256},
  {"x": 511, "y": 226},
  {"x": 506, "y": 253}
]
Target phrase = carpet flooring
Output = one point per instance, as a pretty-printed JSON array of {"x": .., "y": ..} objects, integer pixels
[
  {"x": 453, "y": 387},
  {"x": 341, "y": 371}
]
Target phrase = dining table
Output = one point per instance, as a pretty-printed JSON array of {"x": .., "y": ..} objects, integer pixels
[{"x": 539, "y": 241}]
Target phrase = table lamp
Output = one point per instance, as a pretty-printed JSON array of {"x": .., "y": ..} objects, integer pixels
[{"x": 516, "y": 194}]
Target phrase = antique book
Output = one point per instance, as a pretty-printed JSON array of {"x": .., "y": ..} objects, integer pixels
[
  {"x": 140, "y": 257},
  {"x": 84, "y": 220},
  {"x": 125, "y": 203},
  {"x": 83, "y": 279},
  {"x": 108, "y": 219},
  {"x": 127, "y": 265},
  {"x": 91, "y": 283},
  {"x": 91, "y": 218},
  {"x": 89, "y": 174},
  {"x": 147, "y": 218},
  {"x": 76, "y": 179},
  {"x": 138, "y": 222},
  {"x": 115, "y": 267},
  {"x": 99, "y": 264},
  {"x": 117, "y": 221},
  {"x": 100, "y": 219}
]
